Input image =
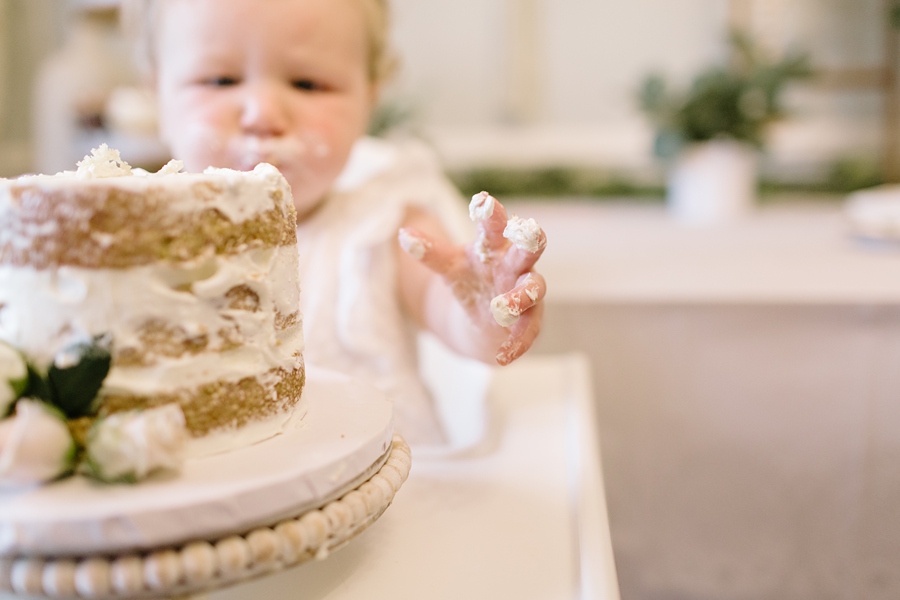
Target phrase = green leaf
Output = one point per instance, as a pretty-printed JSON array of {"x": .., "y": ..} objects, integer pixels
[
  {"x": 37, "y": 386},
  {"x": 76, "y": 376},
  {"x": 19, "y": 386}
]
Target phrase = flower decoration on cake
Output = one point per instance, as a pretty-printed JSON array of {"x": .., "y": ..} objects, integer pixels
[
  {"x": 35, "y": 445},
  {"x": 128, "y": 446},
  {"x": 13, "y": 377},
  {"x": 43, "y": 417}
]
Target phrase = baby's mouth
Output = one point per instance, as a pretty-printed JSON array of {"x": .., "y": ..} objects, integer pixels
[
  {"x": 279, "y": 152},
  {"x": 244, "y": 152}
]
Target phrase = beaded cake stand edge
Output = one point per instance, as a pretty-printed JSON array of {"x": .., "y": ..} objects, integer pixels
[{"x": 202, "y": 566}]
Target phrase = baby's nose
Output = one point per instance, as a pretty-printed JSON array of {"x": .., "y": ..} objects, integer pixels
[{"x": 264, "y": 111}]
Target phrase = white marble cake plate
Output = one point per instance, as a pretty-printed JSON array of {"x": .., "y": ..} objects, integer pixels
[
  {"x": 200, "y": 566},
  {"x": 343, "y": 440}
]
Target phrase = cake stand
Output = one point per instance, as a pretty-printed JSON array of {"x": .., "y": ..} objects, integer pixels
[{"x": 223, "y": 519}]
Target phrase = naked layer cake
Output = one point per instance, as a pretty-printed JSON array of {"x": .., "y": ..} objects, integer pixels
[{"x": 191, "y": 277}]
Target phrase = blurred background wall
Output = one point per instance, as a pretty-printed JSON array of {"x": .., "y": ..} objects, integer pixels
[
  {"x": 541, "y": 83},
  {"x": 29, "y": 31},
  {"x": 562, "y": 77}
]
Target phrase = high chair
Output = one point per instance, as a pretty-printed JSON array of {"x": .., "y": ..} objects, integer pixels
[{"x": 513, "y": 507}]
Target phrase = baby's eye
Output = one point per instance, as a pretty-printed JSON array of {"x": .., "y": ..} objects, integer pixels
[
  {"x": 305, "y": 84},
  {"x": 222, "y": 81}
]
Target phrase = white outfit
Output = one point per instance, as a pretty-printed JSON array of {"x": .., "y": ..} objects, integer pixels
[{"x": 352, "y": 317}]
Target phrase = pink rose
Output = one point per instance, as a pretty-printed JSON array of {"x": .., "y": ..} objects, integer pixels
[{"x": 35, "y": 445}]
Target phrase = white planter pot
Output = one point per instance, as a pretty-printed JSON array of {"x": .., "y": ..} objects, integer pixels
[{"x": 712, "y": 182}]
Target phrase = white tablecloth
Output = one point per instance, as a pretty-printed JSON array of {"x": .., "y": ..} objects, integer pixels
[{"x": 748, "y": 388}]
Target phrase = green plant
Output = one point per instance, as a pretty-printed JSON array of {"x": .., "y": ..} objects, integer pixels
[
  {"x": 737, "y": 101},
  {"x": 894, "y": 15},
  {"x": 853, "y": 173},
  {"x": 553, "y": 182}
]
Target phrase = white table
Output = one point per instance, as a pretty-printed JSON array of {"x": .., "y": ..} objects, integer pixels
[
  {"x": 631, "y": 253},
  {"x": 748, "y": 387},
  {"x": 519, "y": 515}
]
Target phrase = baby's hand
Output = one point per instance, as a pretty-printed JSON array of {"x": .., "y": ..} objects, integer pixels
[{"x": 492, "y": 279}]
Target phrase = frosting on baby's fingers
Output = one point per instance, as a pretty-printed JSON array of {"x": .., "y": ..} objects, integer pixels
[
  {"x": 508, "y": 307},
  {"x": 521, "y": 336},
  {"x": 509, "y": 352},
  {"x": 490, "y": 216},
  {"x": 412, "y": 244},
  {"x": 533, "y": 287},
  {"x": 525, "y": 234},
  {"x": 481, "y": 207},
  {"x": 505, "y": 312}
]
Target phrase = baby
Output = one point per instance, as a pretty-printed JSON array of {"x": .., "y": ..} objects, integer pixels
[{"x": 293, "y": 83}]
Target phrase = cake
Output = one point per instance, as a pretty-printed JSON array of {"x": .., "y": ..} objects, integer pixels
[{"x": 191, "y": 278}]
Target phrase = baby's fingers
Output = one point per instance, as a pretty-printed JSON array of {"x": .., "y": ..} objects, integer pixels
[
  {"x": 440, "y": 257},
  {"x": 529, "y": 241},
  {"x": 490, "y": 216},
  {"x": 508, "y": 307},
  {"x": 522, "y": 336}
]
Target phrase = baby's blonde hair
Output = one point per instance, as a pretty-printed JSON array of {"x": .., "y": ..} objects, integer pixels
[
  {"x": 139, "y": 19},
  {"x": 382, "y": 61}
]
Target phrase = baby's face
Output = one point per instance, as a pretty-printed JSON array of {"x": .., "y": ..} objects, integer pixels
[{"x": 281, "y": 81}]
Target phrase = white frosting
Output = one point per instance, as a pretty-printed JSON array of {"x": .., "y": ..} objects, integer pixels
[
  {"x": 481, "y": 208},
  {"x": 101, "y": 163},
  {"x": 66, "y": 358},
  {"x": 505, "y": 312},
  {"x": 73, "y": 304},
  {"x": 244, "y": 195},
  {"x": 525, "y": 234},
  {"x": 482, "y": 249},
  {"x": 251, "y": 433},
  {"x": 171, "y": 167},
  {"x": 192, "y": 371},
  {"x": 412, "y": 245},
  {"x": 244, "y": 199}
]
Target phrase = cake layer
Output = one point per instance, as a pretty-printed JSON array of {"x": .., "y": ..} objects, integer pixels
[
  {"x": 169, "y": 377},
  {"x": 225, "y": 404},
  {"x": 156, "y": 313},
  {"x": 119, "y": 222},
  {"x": 223, "y": 415}
]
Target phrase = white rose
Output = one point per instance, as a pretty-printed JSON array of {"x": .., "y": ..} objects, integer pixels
[
  {"x": 128, "y": 446},
  {"x": 13, "y": 377},
  {"x": 35, "y": 445}
]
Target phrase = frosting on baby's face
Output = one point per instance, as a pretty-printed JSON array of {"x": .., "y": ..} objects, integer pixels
[{"x": 244, "y": 82}]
